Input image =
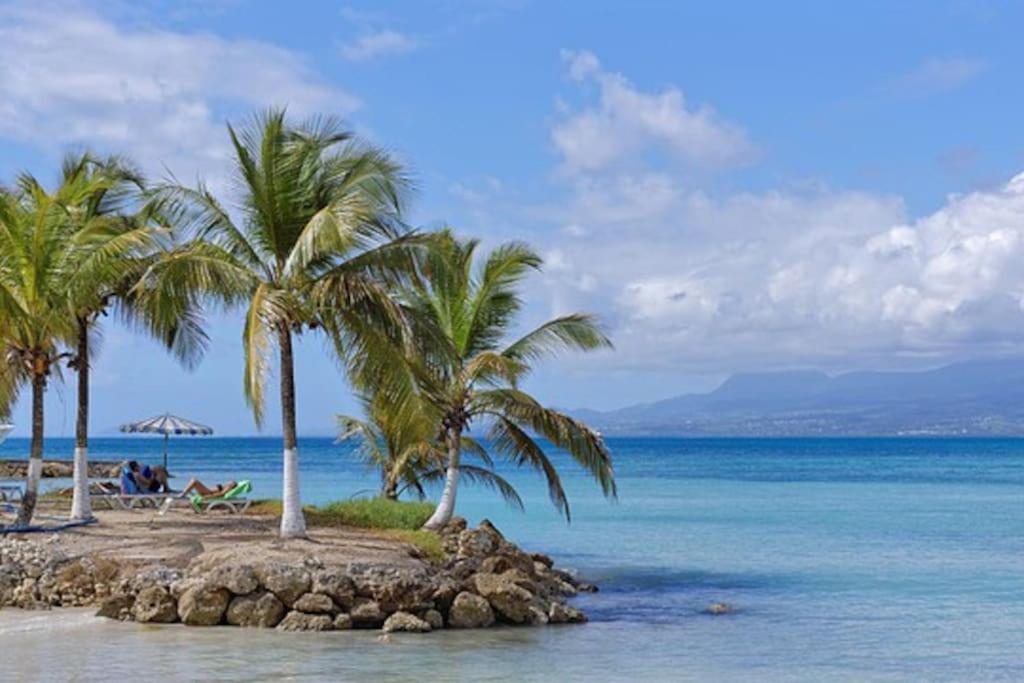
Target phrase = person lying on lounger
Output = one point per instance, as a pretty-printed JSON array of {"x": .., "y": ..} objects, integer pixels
[{"x": 202, "y": 489}]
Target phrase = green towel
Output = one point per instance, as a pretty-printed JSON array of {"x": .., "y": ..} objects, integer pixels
[{"x": 240, "y": 489}]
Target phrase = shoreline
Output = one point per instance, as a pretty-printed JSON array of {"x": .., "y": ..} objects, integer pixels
[{"x": 219, "y": 570}]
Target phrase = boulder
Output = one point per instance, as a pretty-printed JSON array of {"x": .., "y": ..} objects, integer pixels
[
  {"x": 560, "y": 613},
  {"x": 335, "y": 584},
  {"x": 288, "y": 583},
  {"x": 444, "y": 593},
  {"x": 116, "y": 607},
  {"x": 240, "y": 579},
  {"x": 511, "y": 601},
  {"x": 502, "y": 562},
  {"x": 476, "y": 543},
  {"x": 259, "y": 610},
  {"x": 300, "y": 621},
  {"x": 342, "y": 622},
  {"x": 203, "y": 605},
  {"x": 407, "y": 589},
  {"x": 403, "y": 621},
  {"x": 434, "y": 618},
  {"x": 470, "y": 611},
  {"x": 543, "y": 559},
  {"x": 314, "y": 603},
  {"x": 366, "y": 613},
  {"x": 155, "y": 605}
]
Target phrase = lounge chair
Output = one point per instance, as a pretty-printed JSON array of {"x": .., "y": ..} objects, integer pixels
[
  {"x": 235, "y": 500},
  {"x": 129, "y": 497},
  {"x": 10, "y": 492}
]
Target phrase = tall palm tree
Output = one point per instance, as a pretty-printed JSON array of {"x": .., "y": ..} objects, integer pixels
[
  {"x": 35, "y": 232},
  {"x": 398, "y": 438},
  {"x": 318, "y": 236},
  {"x": 465, "y": 371},
  {"x": 117, "y": 240}
]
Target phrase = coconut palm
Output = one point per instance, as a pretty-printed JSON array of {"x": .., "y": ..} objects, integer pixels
[
  {"x": 35, "y": 232},
  {"x": 398, "y": 438},
  {"x": 316, "y": 240},
  {"x": 463, "y": 369},
  {"x": 117, "y": 241}
]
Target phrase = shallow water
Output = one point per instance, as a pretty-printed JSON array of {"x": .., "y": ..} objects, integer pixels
[{"x": 848, "y": 560}]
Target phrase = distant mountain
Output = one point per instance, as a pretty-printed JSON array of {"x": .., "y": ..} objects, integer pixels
[{"x": 972, "y": 398}]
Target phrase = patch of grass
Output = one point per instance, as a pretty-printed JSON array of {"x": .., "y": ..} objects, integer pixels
[
  {"x": 428, "y": 542},
  {"x": 374, "y": 513}
]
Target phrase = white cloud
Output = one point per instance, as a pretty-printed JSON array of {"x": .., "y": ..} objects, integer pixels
[
  {"x": 71, "y": 77},
  {"x": 384, "y": 43},
  {"x": 627, "y": 121},
  {"x": 940, "y": 74}
]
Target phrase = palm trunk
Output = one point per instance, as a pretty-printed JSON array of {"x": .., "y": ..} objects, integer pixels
[
  {"x": 35, "y": 461},
  {"x": 293, "y": 522},
  {"x": 446, "y": 506},
  {"x": 81, "y": 506}
]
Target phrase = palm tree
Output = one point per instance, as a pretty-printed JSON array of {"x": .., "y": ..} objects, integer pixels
[
  {"x": 464, "y": 370},
  {"x": 35, "y": 232},
  {"x": 317, "y": 240},
  {"x": 117, "y": 242},
  {"x": 398, "y": 438}
]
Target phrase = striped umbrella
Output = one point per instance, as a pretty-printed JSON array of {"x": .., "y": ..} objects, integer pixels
[{"x": 166, "y": 424}]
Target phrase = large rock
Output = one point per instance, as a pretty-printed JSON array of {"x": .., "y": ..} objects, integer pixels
[
  {"x": 117, "y": 606},
  {"x": 470, "y": 611},
  {"x": 155, "y": 605},
  {"x": 203, "y": 605},
  {"x": 366, "y": 613},
  {"x": 336, "y": 584},
  {"x": 259, "y": 610},
  {"x": 288, "y": 583},
  {"x": 560, "y": 613},
  {"x": 240, "y": 579},
  {"x": 342, "y": 622},
  {"x": 300, "y": 621},
  {"x": 394, "y": 588},
  {"x": 403, "y": 621},
  {"x": 314, "y": 603},
  {"x": 434, "y": 618},
  {"x": 511, "y": 601}
]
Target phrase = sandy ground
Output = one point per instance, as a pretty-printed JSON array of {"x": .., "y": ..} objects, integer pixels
[{"x": 144, "y": 537}]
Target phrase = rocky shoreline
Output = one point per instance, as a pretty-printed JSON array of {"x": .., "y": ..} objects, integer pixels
[
  {"x": 484, "y": 580},
  {"x": 59, "y": 469}
]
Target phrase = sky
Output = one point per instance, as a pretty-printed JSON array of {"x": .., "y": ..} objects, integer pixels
[{"x": 731, "y": 186}]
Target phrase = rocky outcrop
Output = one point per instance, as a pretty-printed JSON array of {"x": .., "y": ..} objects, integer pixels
[
  {"x": 484, "y": 580},
  {"x": 59, "y": 469}
]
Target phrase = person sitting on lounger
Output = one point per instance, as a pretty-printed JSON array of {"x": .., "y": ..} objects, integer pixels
[
  {"x": 196, "y": 486},
  {"x": 149, "y": 479}
]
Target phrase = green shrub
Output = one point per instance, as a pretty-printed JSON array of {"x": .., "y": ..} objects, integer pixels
[{"x": 374, "y": 513}]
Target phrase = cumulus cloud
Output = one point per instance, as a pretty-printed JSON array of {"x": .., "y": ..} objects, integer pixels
[
  {"x": 940, "y": 75},
  {"x": 384, "y": 43},
  {"x": 70, "y": 76},
  {"x": 627, "y": 121}
]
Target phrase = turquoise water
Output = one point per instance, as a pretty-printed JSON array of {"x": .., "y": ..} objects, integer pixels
[{"x": 848, "y": 559}]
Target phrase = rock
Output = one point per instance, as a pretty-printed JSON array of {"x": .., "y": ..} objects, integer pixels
[
  {"x": 203, "y": 605},
  {"x": 584, "y": 587},
  {"x": 239, "y": 579},
  {"x": 300, "y": 621},
  {"x": 259, "y": 610},
  {"x": 434, "y": 618},
  {"x": 538, "y": 616},
  {"x": 560, "y": 613},
  {"x": 314, "y": 603},
  {"x": 288, "y": 583},
  {"x": 366, "y": 613},
  {"x": 342, "y": 622},
  {"x": 155, "y": 605},
  {"x": 337, "y": 585},
  {"x": 444, "y": 593},
  {"x": 719, "y": 608},
  {"x": 403, "y": 621},
  {"x": 470, "y": 611},
  {"x": 511, "y": 601},
  {"x": 394, "y": 588},
  {"x": 497, "y": 564},
  {"x": 543, "y": 559},
  {"x": 476, "y": 543},
  {"x": 116, "y": 607}
]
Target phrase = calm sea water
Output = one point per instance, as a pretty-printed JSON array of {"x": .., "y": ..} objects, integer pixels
[{"x": 848, "y": 559}]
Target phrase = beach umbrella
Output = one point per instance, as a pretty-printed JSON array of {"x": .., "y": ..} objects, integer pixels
[{"x": 166, "y": 424}]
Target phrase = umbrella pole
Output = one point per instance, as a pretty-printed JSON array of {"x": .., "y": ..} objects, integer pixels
[{"x": 166, "y": 436}]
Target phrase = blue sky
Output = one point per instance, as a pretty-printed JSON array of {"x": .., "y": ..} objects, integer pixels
[{"x": 733, "y": 185}]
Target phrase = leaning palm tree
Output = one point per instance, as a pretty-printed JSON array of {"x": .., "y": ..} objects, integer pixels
[
  {"x": 35, "y": 327},
  {"x": 398, "y": 439},
  {"x": 465, "y": 371},
  {"x": 318, "y": 238},
  {"x": 116, "y": 240}
]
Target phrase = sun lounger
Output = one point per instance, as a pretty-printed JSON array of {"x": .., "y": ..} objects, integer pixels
[
  {"x": 234, "y": 501},
  {"x": 131, "y": 501},
  {"x": 10, "y": 492}
]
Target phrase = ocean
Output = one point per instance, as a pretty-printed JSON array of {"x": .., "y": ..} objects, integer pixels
[{"x": 846, "y": 559}]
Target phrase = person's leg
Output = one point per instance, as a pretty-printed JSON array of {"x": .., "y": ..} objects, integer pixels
[
  {"x": 161, "y": 479},
  {"x": 197, "y": 486}
]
